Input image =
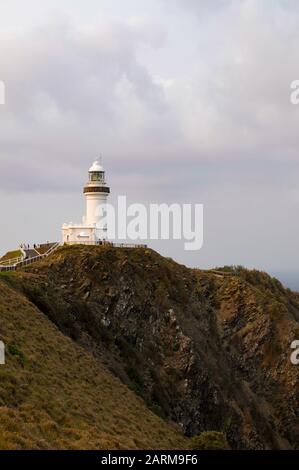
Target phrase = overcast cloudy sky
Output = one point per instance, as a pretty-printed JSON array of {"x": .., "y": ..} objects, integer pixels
[{"x": 187, "y": 101}]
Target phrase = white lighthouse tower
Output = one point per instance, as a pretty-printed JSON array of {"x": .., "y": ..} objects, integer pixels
[
  {"x": 96, "y": 192},
  {"x": 94, "y": 228}
]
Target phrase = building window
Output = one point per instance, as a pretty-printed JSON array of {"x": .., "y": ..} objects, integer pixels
[{"x": 96, "y": 176}]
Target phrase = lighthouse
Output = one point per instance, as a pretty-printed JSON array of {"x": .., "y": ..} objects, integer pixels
[
  {"x": 96, "y": 192},
  {"x": 94, "y": 226}
]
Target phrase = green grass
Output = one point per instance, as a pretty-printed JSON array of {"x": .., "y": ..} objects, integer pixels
[
  {"x": 7, "y": 274},
  {"x": 209, "y": 440},
  {"x": 56, "y": 395},
  {"x": 15, "y": 351}
]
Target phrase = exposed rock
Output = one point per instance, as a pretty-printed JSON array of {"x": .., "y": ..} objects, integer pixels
[{"x": 205, "y": 350}]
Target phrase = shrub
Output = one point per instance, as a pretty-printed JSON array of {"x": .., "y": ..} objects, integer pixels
[
  {"x": 14, "y": 351},
  {"x": 210, "y": 440}
]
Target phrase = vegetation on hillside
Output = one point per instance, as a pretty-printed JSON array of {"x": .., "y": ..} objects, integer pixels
[
  {"x": 55, "y": 395},
  {"x": 209, "y": 441},
  {"x": 208, "y": 350},
  {"x": 11, "y": 254}
]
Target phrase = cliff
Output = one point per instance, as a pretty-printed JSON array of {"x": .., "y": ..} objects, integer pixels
[
  {"x": 208, "y": 351},
  {"x": 56, "y": 395}
]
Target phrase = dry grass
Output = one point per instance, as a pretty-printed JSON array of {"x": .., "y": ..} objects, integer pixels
[
  {"x": 11, "y": 255},
  {"x": 55, "y": 395}
]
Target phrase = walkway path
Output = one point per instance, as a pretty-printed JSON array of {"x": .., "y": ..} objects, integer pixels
[{"x": 32, "y": 256}]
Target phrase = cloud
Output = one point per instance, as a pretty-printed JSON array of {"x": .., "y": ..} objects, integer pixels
[
  {"x": 201, "y": 7},
  {"x": 73, "y": 91},
  {"x": 192, "y": 105},
  {"x": 236, "y": 100}
]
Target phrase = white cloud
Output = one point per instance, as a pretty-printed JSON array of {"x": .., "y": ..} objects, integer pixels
[
  {"x": 73, "y": 91},
  {"x": 236, "y": 102},
  {"x": 190, "y": 105},
  {"x": 76, "y": 89}
]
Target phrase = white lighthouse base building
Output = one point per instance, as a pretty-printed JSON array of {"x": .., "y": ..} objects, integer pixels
[
  {"x": 79, "y": 233},
  {"x": 93, "y": 229}
]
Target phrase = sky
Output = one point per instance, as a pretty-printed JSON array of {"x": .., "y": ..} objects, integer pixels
[{"x": 187, "y": 101}]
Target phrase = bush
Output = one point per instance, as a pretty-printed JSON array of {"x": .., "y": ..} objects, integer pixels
[
  {"x": 210, "y": 440},
  {"x": 14, "y": 351}
]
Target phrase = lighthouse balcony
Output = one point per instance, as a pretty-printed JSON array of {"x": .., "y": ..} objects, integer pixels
[{"x": 96, "y": 189}]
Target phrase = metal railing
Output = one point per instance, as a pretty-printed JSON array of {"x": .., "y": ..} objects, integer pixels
[
  {"x": 11, "y": 261},
  {"x": 106, "y": 243},
  {"x": 27, "y": 261},
  {"x": 7, "y": 268},
  {"x": 128, "y": 245}
]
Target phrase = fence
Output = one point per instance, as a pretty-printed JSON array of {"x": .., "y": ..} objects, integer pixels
[
  {"x": 106, "y": 243},
  {"x": 11, "y": 261},
  {"x": 13, "y": 264},
  {"x": 26, "y": 262}
]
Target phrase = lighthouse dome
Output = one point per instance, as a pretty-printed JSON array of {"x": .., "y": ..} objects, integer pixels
[{"x": 96, "y": 166}]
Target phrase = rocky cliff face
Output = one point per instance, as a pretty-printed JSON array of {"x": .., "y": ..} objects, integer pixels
[
  {"x": 54, "y": 394},
  {"x": 206, "y": 350}
]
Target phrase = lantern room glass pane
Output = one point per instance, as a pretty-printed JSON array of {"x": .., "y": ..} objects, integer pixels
[{"x": 96, "y": 176}]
